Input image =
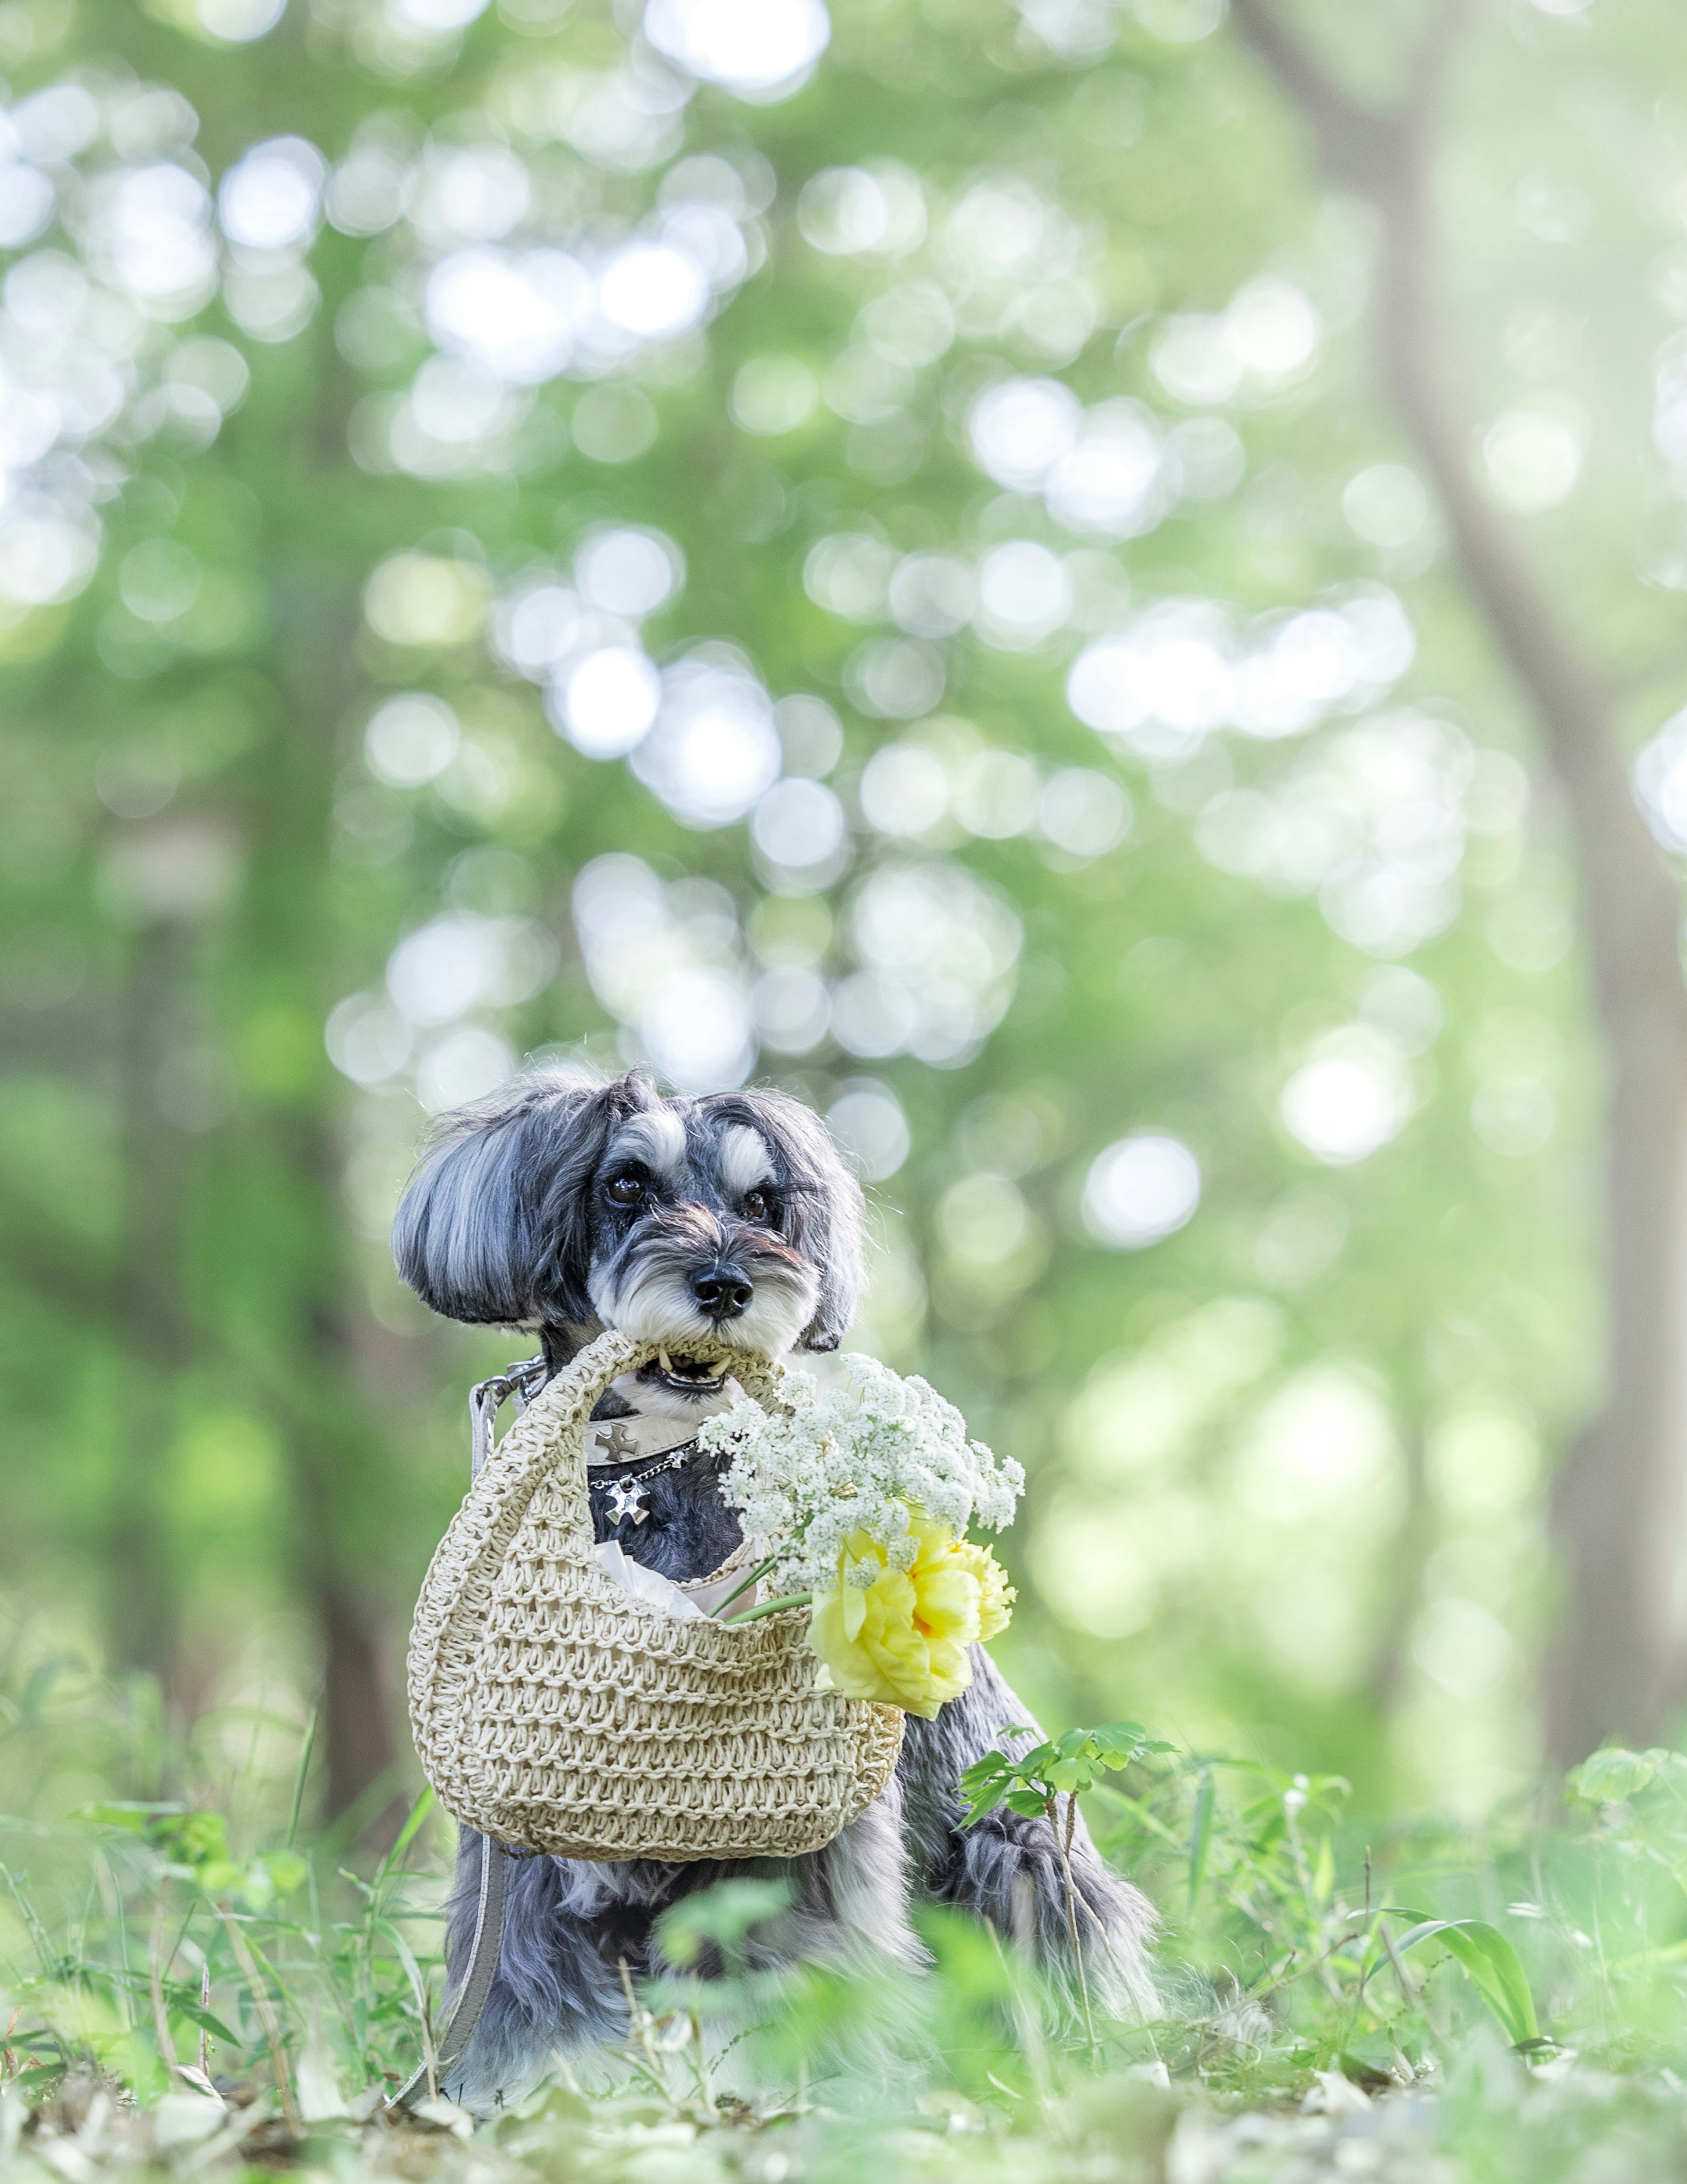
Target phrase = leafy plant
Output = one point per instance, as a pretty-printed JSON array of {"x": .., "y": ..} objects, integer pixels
[
  {"x": 1034, "y": 1782},
  {"x": 1495, "y": 1967}
]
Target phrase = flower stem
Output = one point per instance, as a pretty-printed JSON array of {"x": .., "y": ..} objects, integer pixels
[
  {"x": 755, "y": 1577},
  {"x": 770, "y": 1608},
  {"x": 1063, "y": 1845}
]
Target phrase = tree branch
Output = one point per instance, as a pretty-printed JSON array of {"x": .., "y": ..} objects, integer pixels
[{"x": 1619, "y": 1504}]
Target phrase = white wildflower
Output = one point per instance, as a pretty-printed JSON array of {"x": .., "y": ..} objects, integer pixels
[{"x": 855, "y": 1460}]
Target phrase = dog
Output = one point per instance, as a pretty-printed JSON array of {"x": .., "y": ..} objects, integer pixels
[{"x": 566, "y": 1207}]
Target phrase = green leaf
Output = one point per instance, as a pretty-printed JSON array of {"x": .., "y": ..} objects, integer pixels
[
  {"x": 406, "y": 1835},
  {"x": 413, "y": 1970},
  {"x": 199, "y": 1840},
  {"x": 1612, "y": 1777},
  {"x": 285, "y": 1869},
  {"x": 1495, "y": 1968},
  {"x": 1118, "y": 1742},
  {"x": 307, "y": 1746},
  {"x": 133, "y": 1818},
  {"x": 984, "y": 1799},
  {"x": 985, "y": 1784},
  {"x": 723, "y": 1914},
  {"x": 205, "y": 2021}
]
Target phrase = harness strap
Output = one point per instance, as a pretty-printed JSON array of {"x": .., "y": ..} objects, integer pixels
[{"x": 521, "y": 1382}]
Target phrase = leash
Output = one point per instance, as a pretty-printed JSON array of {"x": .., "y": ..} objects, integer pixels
[
  {"x": 520, "y": 1383},
  {"x": 471, "y": 1996}
]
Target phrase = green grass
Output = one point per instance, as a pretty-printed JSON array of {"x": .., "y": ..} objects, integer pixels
[{"x": 1432, "y": 2002}]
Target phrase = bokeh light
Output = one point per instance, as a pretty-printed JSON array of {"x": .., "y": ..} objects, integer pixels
[
  {"x": 867, "y": 1120},
  {"x": 1140, "y": 1190},
  {"x": 1661, "y": 783},
  {"x": 904, "y": 790},
  {"x": 759, "y": 48},
  {"x": 666, "y": 961},
  {"x": 799, "y": 824},
  {"x": 773, "y": 394},
  {"x": 609, "y": 701},
  {"x": 1183, "y": 670},
  {"x": 938, "y": 949},
  {"x": 1386, "y": 504},
  {"x": 424, "y": 600},
  {"x": 1532, "y": 458},
  {"x": 411, "y": 740},
  {"x": 713, "y": 752},
  {"x": 1351, "y": 1100},
  {"x": 878, "y": 210},
  {"x": 269, "y": 199}
]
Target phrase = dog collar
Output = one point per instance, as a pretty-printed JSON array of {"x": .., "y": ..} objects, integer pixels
[
  {"x": 612, "y": 1441},
  {"x": 641, "y": 1433}
]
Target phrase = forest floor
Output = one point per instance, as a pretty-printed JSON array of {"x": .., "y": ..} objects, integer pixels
[{"x": 186, "y": 1994}]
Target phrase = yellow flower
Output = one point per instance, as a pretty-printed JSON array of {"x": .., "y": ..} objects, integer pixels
[
  {"x": 996, "y": 1595},
  {"x": 902, "y": 1639}
]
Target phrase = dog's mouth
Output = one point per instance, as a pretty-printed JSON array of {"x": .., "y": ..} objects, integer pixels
[{"x": 685, "y": 1374}]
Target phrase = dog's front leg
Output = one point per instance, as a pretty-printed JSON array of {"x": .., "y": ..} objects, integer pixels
[
  {"x": 568, "y": 1928},
  {"x": 1007, "y": 1868}
]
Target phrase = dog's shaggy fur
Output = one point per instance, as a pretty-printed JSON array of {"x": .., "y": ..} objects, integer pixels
[{"x": 567, "y": 1208}]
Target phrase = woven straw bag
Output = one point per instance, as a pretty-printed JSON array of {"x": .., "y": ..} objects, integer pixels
[{"x": 554, "y": 1711}]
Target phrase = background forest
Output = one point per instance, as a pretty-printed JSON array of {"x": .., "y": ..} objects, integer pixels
[{"x": 1094, "y": 588}]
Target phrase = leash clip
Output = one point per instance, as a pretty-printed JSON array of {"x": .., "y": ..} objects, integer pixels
[{"x": 521, "y": 1381}]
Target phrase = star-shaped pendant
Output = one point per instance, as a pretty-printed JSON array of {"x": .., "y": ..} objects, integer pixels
[{"x": 627, "y": 1500}]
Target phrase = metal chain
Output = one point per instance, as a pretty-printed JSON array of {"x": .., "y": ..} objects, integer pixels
[
  {"x": 521, "y": 1381},
  {"x": 671, "y": 1462}
]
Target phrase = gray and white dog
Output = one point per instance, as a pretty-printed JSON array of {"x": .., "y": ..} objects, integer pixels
[{"x": 566, "y": 1208}]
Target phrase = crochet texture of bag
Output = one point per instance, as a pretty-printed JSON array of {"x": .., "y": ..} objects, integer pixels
[{"x": 556, "y": 1713}]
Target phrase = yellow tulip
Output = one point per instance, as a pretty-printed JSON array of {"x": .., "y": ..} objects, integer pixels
[{"x": 902, "y": 1639}]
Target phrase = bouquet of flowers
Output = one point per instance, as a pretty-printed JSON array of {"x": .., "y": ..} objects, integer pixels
[{"x": 861, "y": 1497}]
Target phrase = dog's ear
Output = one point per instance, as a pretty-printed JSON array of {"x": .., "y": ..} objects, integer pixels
[
  {"x": 494, "y": 1226},
  {"x": 825, "y": 1209}
]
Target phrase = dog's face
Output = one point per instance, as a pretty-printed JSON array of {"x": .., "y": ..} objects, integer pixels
[
  {"x": 574, "y": 1208},
  {"x": 692, "y": 1234}
]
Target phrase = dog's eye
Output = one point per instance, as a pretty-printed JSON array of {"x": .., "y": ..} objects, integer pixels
[
  {"x": 757, "y": 1207},
  {"x": 627, "y": 1189}
]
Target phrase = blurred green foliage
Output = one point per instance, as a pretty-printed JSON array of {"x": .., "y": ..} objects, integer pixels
[{"x": 1286, "y": 1459}]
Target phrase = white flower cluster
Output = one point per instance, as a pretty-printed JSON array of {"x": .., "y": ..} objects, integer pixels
[{"x": 855, "y": 1460}]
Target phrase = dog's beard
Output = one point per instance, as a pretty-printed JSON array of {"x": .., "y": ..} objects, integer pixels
[{"x": 644, "y": 1292}]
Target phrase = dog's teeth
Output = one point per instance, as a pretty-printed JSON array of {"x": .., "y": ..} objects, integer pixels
[{"x": 667, "y": 1363}]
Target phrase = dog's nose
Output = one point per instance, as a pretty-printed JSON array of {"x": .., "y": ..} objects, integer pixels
[{"x": 722, "y": 1293}]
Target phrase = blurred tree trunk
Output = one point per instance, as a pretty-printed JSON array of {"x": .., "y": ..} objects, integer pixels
[
  {"x": 1414, "y": 1543},
  {"x": 294, "y": 945},
  {"x": 1622, "y": 1494},
  {"x": 337, "y": 1456},
  {"x": 144, "y": 1613}
]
